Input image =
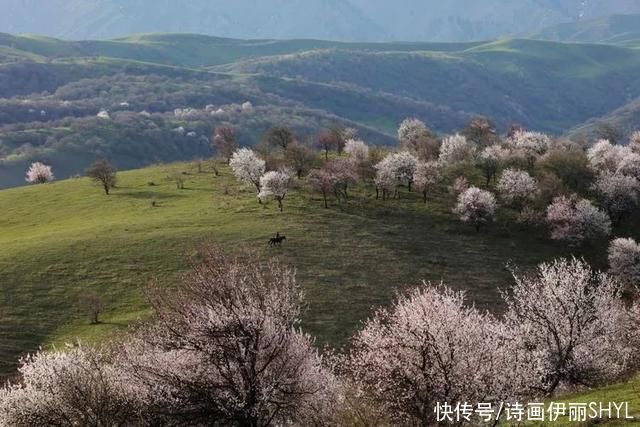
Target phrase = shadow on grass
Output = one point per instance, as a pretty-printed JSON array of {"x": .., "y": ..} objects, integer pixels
[{"x": 148, "y": 195}]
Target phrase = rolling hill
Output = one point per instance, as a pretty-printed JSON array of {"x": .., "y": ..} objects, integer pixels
[
  {"x": 51, "y": 91},
  {"x": 65, "y": 239}
]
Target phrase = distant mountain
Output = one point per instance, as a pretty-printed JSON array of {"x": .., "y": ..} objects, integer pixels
[
  {"x": 346, "y": 20},
  {"x": 614, "y": 29}
]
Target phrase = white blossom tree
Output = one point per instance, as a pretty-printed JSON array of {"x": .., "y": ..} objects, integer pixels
[
  {"x": 619, "y": 194},
  {"x": 80, "y": 386},
  {"x": 385, "y": 180},
  {"x": 529, "y": 145},
  {"x": 426, "y": 176},
  {"x": 39, "y": 173},
  {"x": 624, "y": 260},
  {"x": 357, "y": 150},
  {"x": 404, "y": 164},
  {"x": 476, "y": 206},
  {"x": 395, "y": 168},
  {"x": 455, "y": 148},
  {"x": 567, "y": 322},
  {"x": 606, "y": 157},
  {"x": 247, "y": 167},
  {"x": 634, "y": 142},
  {"x": 517, "y": 187},
  {"x": 411, "y": 131},
  {"x": 428, "y": 347},
  {"x": 576, "y": 220},
  {"x": 630, "y": 165},
  {"x": 275, "y": 184}
]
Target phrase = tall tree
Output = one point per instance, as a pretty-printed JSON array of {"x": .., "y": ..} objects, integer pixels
[{"x": 104, "y": 174}]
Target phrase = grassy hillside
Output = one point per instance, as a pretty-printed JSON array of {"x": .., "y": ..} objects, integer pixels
[
  {"x": 62, "y": 240},
  {"x": 193, "y": 49}
]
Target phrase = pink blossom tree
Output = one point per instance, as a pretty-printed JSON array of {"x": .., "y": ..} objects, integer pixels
[
  {"x": 624, "y": 260},
  {"x": 225, "y": 347},
  {"x": 344, "y": 172},
  {"x": 426, "y": 176},
  {"x": 80, "y": 386},
  {"x": 39, "y": 173},
  {"x": 275, "y": 184},
  {"x": 566, "y": 322},
  {"x": 429, "y": 347},
  {"x": 323, "y": 181},
  {"x": 476, "y": 206},
  {"x": 575, "y": 220}
]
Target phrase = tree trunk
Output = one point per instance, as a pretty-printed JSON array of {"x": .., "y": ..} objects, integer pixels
[
  {"x": 280, "y": 204},
  {"x": 326, "y": 154},
  {"x": 424, "y": 197},
  {"x": 324, "y": 196},
  {"x": 106, "y": 189}
]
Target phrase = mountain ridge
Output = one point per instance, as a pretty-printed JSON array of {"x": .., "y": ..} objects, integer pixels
[{"x": 345, "y": 20}]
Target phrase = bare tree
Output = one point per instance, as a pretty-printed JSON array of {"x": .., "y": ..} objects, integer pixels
[
  {"x": 178, "y": 178},
  {"x": 280, "y": 137},
  {"x": 104, "y": 174},
  {"x": 300, "y": 157},
  {"x": 93, "y": 304},
  {"x": 225, "y": 142},
  {"x": 481, "y": 131},
  {"x": 330, "y": 140}
]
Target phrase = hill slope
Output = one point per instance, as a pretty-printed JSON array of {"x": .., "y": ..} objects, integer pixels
[
  {"x": 63, "y": 240},
  {"x": 542, "y": 85}
]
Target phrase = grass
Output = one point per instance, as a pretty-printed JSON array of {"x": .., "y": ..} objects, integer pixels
[{"x": 62, "y": 240}]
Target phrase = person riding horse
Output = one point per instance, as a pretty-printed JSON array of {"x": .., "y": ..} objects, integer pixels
[{"x": 277, "y": 240}]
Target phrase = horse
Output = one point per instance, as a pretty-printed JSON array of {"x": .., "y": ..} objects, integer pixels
[{"x": 277, "y": 241}]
